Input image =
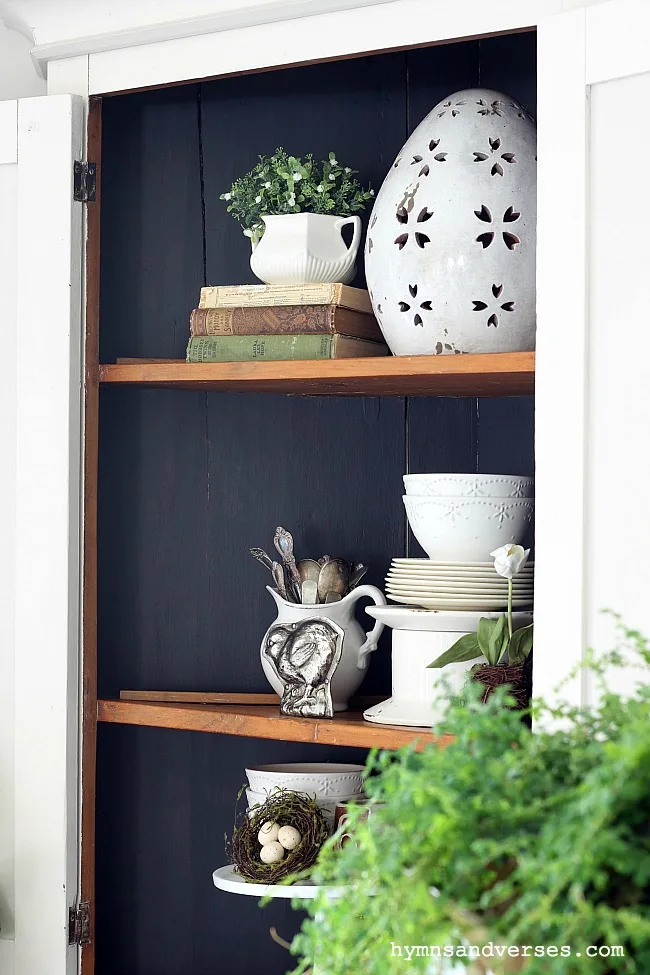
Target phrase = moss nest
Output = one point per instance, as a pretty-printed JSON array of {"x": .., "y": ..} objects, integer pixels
[{"x": 286, "y": 808}]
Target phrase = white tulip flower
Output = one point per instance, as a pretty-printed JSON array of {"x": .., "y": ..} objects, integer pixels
[
  {"x": 348, "y": 169},
  {"x": 297, "y": 177},
  {"x": 267, "y": 184},
  {"x": 319, "y": 188},
  {"x": 334, "y": 162},
  {"x": 248, "y": 233},
  {"x": 509, "y": 559},
  {"x": 258, "y": 199},
  {"x": 291, "y": 201},
  {"x": 227, "y": 196},
  {"x": 332, "y": 176}
]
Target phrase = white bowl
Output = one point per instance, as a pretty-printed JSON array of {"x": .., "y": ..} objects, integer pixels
[
  {"x": 469, "y": 485},
  {"x": 467, "y": 528},
  {"x": 328, "y": 806},
  {"x": 325, "y": 780}
]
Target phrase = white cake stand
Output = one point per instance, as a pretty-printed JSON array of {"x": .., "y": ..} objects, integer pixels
[
  {"x": 419, "y": 636},
  {"x": 225, "y": 878}
]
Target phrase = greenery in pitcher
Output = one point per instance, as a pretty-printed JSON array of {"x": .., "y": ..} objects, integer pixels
[
  {"x": 495, "y": 640},
  {"x": 536, "y": 841},
  {"x": 282, "y": 184}
]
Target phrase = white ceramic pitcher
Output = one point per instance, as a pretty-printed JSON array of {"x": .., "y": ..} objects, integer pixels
[
  {"x": 305, "y": 248},
  {"x": 357, "y": 645}
]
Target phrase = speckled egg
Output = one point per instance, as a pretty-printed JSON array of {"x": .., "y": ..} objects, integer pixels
[{"x": 450, "y": 249}]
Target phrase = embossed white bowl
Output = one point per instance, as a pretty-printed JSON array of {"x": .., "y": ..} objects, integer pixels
[
  {"x": 323, "y": 780},
  {"x": 469, "y": 485},
  {"x": 467, "y": 528}
]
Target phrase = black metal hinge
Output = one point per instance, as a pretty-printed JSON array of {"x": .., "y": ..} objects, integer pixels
[
  {"x": 79, "y": 924},
  {"x": 85, "y": 182}
]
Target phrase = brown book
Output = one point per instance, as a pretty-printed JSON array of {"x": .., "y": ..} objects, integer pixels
[
  {"x": 267, "y": 295},
  {"x": 285, "y": 320}
]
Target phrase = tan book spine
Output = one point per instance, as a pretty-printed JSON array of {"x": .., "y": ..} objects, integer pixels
[
  {"x": 265, "y": 295},
  {"x": 284, "y": 320}
]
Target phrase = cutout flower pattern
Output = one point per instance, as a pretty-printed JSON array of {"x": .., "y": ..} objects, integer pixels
[
  {"x": 497, "y": 168},
  {"x": 493, "y": 318},
  {"x": 490, "y": 108},
  {"x": 411, "y": 305},
  {"x": 453, "y": 109},
  {"x": 510, "y": 216},
  {"x": 403, "y": 214}
]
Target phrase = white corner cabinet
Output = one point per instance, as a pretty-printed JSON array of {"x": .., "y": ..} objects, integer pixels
[{"x": 591, "y": 406}]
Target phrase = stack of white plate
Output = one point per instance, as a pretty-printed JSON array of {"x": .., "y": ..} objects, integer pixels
[{"x": 456, "y": 585}]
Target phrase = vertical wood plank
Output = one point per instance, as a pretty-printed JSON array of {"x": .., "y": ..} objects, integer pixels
[
  {"x": 353, "y": 108},
  {"x": 91, "y": 454},
  {"x": 48, "y": 542},
  {"x": 152, "y": 268},
  {"x": 170, "y": 796},
  {"x": 441, "y": 432},
  {"x": 506, "y": 427}
]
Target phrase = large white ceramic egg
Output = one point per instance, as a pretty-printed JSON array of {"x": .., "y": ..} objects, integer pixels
[{"x": 450, "y": 249}]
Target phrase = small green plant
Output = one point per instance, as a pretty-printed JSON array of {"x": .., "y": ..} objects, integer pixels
[
  {"x": 535, "y": 841},
  {"x": 495, "y": 640},
  {"x": 288, "y": 184}
]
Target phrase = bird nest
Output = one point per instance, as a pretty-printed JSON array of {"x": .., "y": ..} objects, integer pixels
[{"x": 286, "y": 808}]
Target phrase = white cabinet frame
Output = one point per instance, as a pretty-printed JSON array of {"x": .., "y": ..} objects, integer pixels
[
  {"x": 576, "y": 51},
  {"x": 48, "y": 451}
]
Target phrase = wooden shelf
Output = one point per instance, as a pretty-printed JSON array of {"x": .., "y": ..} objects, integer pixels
[
  {"x": 498, "y": 374},
  {"x": 347, "y": 728}
]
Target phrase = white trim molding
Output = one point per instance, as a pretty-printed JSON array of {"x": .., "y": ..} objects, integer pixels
[{"x": 244, "y": 15}]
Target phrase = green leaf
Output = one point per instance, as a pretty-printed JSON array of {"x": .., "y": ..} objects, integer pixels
[
  {"x": 520, "y": 645},
  {"x": 499, "y": 640},
  {"x": 466, "y": 648},
  {"x": 484, "y": 635}
]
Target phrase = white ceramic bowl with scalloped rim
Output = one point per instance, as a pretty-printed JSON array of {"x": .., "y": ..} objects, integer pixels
[
  {"x": 323, "y": 780},
  {"x": 469, "y": 485},
  {"x": 468, "y": 528}
]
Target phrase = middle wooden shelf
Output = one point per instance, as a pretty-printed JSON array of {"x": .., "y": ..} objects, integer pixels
[
  {"x": 347, "y": 728},
  {"x": 492, "y": 374}
]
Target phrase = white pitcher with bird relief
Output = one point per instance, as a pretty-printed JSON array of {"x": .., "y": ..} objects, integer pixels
[{"x": 357, "y": 645}]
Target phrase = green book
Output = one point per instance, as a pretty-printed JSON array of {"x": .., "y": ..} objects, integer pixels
[{"x": 245, "y": 348}]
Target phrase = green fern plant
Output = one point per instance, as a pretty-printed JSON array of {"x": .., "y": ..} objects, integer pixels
[{"x": 505, "y": 837}]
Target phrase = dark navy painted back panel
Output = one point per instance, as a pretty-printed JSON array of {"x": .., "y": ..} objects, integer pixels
[{"x": 190, "y": 480}]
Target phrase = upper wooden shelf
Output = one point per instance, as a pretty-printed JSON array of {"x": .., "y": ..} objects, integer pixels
[
  {"x": 498, "y": 374},
  {"x": 253, "y": 721}
]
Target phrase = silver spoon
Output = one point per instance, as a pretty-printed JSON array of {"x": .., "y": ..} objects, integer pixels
[
  {"x": 261, "y": 556},
  {"x": 333, "y": 577},
  {"x": 309, "y": 592},
  {"x": 278, "y": 576},
  {"x": 283, "y": 541},
  {"x": 308, "y": 570},
  {"x": 358, "y": 572}
]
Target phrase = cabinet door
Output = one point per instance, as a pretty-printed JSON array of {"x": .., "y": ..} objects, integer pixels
[
  {"x": 593, "y": 409},
  {"x": 41, "y": 237}
]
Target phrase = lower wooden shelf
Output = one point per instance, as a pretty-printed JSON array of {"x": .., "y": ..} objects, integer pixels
[{"x": 347, "y": 728}]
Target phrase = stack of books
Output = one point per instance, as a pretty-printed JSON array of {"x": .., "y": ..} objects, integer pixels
[{"x": 240, "y": 323}]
